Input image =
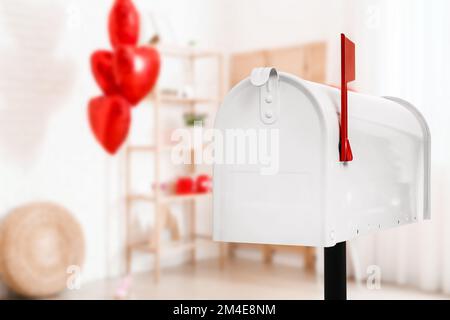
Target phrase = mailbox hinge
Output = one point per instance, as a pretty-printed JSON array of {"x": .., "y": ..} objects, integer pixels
[
  {"x": 269, "y": 103},
  {"x": 347, "y": 75}
]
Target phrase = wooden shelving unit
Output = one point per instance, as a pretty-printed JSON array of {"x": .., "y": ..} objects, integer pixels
[{"x": 154, "y": 245}]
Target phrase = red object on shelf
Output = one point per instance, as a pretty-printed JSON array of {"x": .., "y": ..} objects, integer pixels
[
  {"x": 136, "y": 70},
  {"x": 184, "y": 185},
  {"x": 347, "y": 75},
  {"x": 203, "y": 184},
  {"x": 109, "y": 117},
  {"x": 123, "y": 24},
  {"x": 101, "y": 65}
]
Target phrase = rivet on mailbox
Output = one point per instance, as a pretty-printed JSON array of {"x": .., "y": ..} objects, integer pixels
[{"x": 313, "y": 195}]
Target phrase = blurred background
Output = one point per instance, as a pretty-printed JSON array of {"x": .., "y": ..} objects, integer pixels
[{"x": 75, "y": 219}]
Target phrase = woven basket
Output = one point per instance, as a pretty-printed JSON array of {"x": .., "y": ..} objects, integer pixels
[{"x": 38, "y": 243}]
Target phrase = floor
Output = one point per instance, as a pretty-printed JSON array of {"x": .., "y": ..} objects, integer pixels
[{"x": 239, "y": 279}]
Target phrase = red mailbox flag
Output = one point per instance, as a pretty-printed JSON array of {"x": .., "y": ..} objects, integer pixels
[{"x": 347, "y": 75}]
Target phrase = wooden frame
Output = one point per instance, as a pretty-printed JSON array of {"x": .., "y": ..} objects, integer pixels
[{"x": 307, "y": 61}]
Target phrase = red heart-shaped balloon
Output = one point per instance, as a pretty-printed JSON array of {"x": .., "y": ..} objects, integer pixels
[
  {"x": 109, "y": 117},
  {"x": 136, "y": 70},
  {"x": 123, "y": 24},
  {"x": 102, "y": 69}
]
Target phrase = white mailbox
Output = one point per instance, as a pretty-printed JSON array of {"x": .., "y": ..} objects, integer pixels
[{"x": 299, "y": 193}]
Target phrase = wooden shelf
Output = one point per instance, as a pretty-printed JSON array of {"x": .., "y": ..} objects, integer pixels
[{"x": 170, "y": 198}]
